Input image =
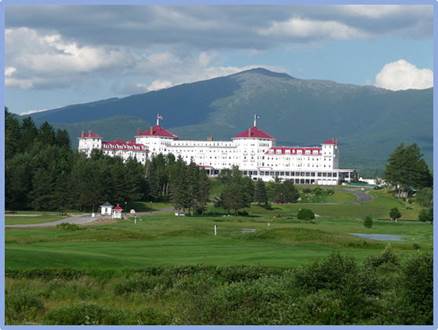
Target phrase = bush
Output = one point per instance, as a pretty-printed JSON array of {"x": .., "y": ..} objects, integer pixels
[
  {"x": 68, "y": 226},
  {"x": 417, "y": 290},
  {"x": 424, "y": 197},
  {"x": 305, "y": 214},
  {"x": 322, "y": 307},
  {"x": 22, "y": 306},
  {"x": 368, "y": 222},
  {"x": 151, "y": 317},
  {"x": 426, "y": 215},
  {"x": 262, "y": 301},
  {"x": 388, "y": 257},
  {"x": 141, "y": 283},
  {"x": 86, "y": 314},
  {"x": 394, "y": 214}
]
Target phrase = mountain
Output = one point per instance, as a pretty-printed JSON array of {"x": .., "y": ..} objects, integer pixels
[{"x": 369, "y": 122}]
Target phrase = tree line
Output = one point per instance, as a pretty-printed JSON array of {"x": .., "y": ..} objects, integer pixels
[
  {"x": 44, "y": 173},
  {"x": 240, "y": 191}
]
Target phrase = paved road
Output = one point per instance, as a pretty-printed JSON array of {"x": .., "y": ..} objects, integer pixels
[
  {"x": 82, "y": 219},
  {"x": 77, "y": 219},
  {"x": 361, "y": 196}
]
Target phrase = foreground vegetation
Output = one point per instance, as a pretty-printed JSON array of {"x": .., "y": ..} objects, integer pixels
[{"x": 335, "y": 290}]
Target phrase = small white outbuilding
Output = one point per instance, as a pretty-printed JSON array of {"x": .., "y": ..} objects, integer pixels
[{"x": 106, "y": 209}]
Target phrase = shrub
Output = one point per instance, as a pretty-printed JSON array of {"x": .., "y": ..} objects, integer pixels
[
  {"x": 262, "y": 301},
  {"x": 305, "y": 214},
  {"x": 426, "y": 215},
  {"x": 150, "y": 316},
  {"x": 424, "y": 197},
  {"x": 330, "y": 273},
  {"x": 368, "y": 222},
  {"x": 141, "y": 283},
  {"x": 68, "y": 226},
  {"x": 417, "y": 290},
  {"x": 394, "y": 214},
  {"x": 21, "y": 306},
  {"x": 322, "y": 307},
  {"x": 388, "y": 257},
  {"x": 86, "y": 314}
]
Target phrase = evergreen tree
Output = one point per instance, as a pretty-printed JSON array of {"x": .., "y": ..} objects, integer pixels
[
  {"x": 62, "y": 139},
  {"x": 407, "y": 170},
  {"x": 12, "y": 135},
  {"x": 238, "y": 191},
  {"x": 284, "y": 192},
  {"x": 260, "y": 194},
  {"x": 29, "y": 133},
  {"x": 46, "y": 134}
]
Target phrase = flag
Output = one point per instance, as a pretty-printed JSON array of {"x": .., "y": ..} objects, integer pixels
[{"x": 159, "y": 116}]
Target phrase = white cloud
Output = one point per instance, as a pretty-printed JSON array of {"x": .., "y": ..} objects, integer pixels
[
  {"x": 303, "y": 28},
  {"x": 401, "y": 75},
  {"x": 382, "y": 11},
  {"x": 157, "y": 85},
  {"x": 36, "y": 59},
  {"x": 9, "y": 71}
]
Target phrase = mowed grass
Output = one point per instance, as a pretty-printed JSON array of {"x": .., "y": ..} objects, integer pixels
[
  {"x": 31, "y": 217},
  {"x": 279, "y": 239}
]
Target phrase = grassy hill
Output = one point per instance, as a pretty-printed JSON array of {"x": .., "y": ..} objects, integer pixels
[{"x": 369, "y": 122}]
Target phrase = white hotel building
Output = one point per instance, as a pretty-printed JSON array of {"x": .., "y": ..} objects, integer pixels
[{"x": 252, "y": 150}]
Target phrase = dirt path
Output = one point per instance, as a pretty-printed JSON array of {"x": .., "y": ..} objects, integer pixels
[{"x": 84, "y": 219}]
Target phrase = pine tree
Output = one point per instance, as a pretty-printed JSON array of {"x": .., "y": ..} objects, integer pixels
[
  {"x": 260, "y": 194},
  {"x": 406, "y": 170}
]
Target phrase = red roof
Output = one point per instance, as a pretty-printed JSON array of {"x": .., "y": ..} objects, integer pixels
[
  {"x": 294, "y": 150},
  {"x": 254, "y": 132},
  {"x": 330, "y": 141},
  {"x": 123, "y": 145},
  {"x": 118, "y": 208},
  {"x": 157, "y": 131},
  {"x": 90, "y": 135}
]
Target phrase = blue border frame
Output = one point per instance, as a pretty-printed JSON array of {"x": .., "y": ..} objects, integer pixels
[{"x": 4, "y": 3}]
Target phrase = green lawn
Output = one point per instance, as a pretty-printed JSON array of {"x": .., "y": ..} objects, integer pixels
[
  {"x": 31, "y": 217},
  {"x": 163, "y": 239}
]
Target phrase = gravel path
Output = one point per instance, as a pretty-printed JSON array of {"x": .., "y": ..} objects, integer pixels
[{"x": 83, "y": 219}]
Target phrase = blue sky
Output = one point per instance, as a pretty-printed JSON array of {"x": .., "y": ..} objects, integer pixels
[{"x": 60, "y": 55}]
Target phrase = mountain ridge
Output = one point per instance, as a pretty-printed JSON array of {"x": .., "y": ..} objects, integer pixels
[{"x": 369, "y": 121}]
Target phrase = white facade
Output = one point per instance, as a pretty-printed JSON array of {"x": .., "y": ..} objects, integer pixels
[
  {"x": 253, "y": 151},
  {"x": 106, "y": 209},
  {"x": 117, "y": 148}
]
